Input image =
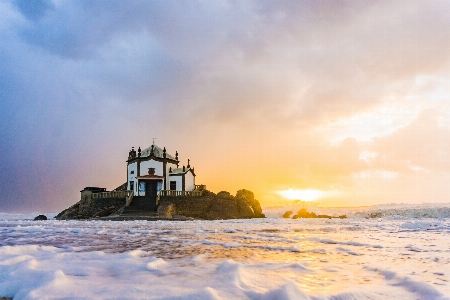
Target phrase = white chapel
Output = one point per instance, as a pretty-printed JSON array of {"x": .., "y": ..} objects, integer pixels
[{"x": 151, "y": 170}]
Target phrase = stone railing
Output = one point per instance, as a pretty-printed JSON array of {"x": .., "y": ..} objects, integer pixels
[
  {"x": 172, "y": 193},
  {"x": 200, "y": 187},
  {"x": 129, "y": 198},
  {"x": 113, "y": 194}
]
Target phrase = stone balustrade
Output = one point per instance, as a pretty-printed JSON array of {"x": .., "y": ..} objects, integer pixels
[
  {"x": 113, "y": 194},
  {"x": 172, "y": 193},
  {"x": 200, "y": 187}
]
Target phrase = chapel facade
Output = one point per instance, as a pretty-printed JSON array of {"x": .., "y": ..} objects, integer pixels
[{"x": 153, "y": 169}]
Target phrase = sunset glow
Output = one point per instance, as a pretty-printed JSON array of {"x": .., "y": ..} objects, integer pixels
[
  {"x": 300, "y": 97},
  {"x": 304, "y": 195}
]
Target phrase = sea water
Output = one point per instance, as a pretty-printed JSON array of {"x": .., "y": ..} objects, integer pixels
[{"x": 377, "y": 253}]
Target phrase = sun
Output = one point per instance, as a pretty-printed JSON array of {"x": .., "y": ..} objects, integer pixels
[{"x": 304, "y": 195}]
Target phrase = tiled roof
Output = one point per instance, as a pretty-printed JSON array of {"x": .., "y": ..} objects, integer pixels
[
  {"x": 158, "y": 152},
  {"x": 179, "y": 170}
]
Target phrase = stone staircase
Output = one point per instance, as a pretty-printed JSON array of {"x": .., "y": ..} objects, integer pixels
[
  {"x": 140, "y": 212},
  {"x": 141, "y": 206}
]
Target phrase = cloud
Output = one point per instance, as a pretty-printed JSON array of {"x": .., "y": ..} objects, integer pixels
[
  {"x": 421, "y": 145},
  {"x": 34, "y": 10},
  {"x": 81, "y": 82}
]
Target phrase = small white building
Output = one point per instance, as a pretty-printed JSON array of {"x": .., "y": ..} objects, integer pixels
[{"x": 151, "y": 170}]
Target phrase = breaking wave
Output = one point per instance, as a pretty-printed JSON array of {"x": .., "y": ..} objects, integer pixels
[{"x": 391, "y": 211}]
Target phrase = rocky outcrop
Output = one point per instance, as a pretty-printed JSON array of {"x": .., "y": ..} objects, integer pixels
[
  {"x": 96, "y": 209},
  {"x": 222, "y": 208},
  {"x": 244, "y": 210},
  {"x": 194, "y": 207},
  {"x": 69, "y": 213},
  {"x": 287, "y": 214},
  {"x": 209, "y": 207},
  {"x": 303, "y": 213},
  {"x": 40, "y": 218},
  {"x": 249, "y": 198}
]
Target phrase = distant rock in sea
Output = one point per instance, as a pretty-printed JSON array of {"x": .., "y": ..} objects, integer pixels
[
  {"x": 40, "y": 218},
  {"x": 303, "y": 213}
]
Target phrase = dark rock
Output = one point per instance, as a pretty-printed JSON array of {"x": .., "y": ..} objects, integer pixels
[
  {"x": 69, "y": 213},
  {"x": 224, "y": 195},
  {"x": 207, "y": 193},
  {"x": 250, "y": 199},
  {"x": 105, "y": 212},
  {"x": 222, "y": 209},
  {"x": 195, "y": 207},
  {"x": 93, "y": 208},
  {"x": 244, "y": 210},
  {"x": 302, "y": 213},
  {"x": 166, "y": 209},
  {"x": 209, "y": 206},
  {"x": 40, "y": 218},
  {"x": 287, "y": 214},
  {"x": 324, "y": 216}
]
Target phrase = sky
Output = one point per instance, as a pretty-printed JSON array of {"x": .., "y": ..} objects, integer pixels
[{"x": 343, "y": 102}]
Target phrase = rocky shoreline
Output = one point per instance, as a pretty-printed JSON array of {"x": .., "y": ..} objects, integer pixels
[{"x": 209, "y": 206}]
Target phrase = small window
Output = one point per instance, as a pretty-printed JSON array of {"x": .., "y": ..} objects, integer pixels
[
  {"x": 173, "y": 185},
  {"x": 132, "y": 172}
]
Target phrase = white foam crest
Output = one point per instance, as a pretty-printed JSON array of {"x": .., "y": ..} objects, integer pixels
[
  {"x": 406, "y": 213},
  {"x": 289, "y": 291},
  {"x": 422, "y": 290},
  {"x": 156, "y": 264},
  {"x": 187, "y": 260}
]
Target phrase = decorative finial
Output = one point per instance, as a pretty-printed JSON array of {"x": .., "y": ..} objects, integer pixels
[
  {"x": 188, "y": 165},
  {"x": 164, "y": 152},
  {"x": 139, "y": 152},
  {"x": 184, "y": 169},
  {"x": 151, "y": 151},
  {"x": 154, "y": 140},
  {"x": 176, "y": 155}
]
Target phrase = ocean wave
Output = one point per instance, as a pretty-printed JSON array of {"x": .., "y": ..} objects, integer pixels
[{"x": 370, "y": 212}]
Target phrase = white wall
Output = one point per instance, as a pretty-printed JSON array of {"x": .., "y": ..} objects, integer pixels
[
  {"x": 158, "y": 171},
  {"x": 132, "y": 177},
  {"x": 178, "y": 180},
  {"x": 168, "y": 166},
  {"x": 189, "y": 181},
  {"x": 151, "y": 164}
]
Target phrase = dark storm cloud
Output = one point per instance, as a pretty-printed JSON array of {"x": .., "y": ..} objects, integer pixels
[{"x": 34, "y": 10}]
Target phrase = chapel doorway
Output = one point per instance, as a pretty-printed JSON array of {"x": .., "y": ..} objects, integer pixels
[{"x": 151, "y": 190}]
